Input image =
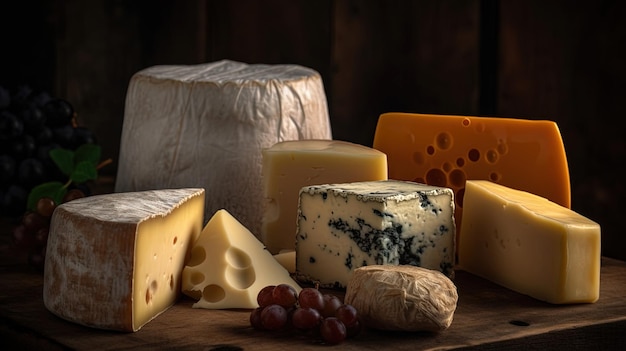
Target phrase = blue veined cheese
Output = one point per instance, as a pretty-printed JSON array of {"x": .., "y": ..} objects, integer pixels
[{"x": 342, "y": 227}]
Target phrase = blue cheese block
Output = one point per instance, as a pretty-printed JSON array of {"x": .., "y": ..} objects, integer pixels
[{"x": 342, "y": 227}]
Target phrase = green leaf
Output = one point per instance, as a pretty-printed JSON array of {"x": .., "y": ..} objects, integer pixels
[
  {"x": 64, "y": 159},
  {"x": 87, "y": 152},
  {"x": 54, "y": 190},
  {"x": 83, "y": 172}
]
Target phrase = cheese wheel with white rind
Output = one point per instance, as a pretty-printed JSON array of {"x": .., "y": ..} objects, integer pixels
[{"x": 205, "y": 126}]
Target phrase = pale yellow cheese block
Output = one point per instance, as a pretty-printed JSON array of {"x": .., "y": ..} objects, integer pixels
[
  {"x": 115, "y": 261},
  {"x": 529, "y": 244},
  {"x": 287, "y": 259},
  {"x": 229, "y": 266},
  {"x": 288, "y": 166}
]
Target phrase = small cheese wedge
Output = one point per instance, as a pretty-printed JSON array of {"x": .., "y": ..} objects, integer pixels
[
  {"x": 287, "y": 259},
  {"x": 229, "y": 266},
  {"x": 529, "y": 244},
  {"x": 446, "y": 150},
  {"x": 115, "y": 261},
  {"x": 290, "y": 165},
  {"x": 342, "y": 227}
]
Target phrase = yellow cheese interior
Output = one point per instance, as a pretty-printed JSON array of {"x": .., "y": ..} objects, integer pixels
[
  {"x": 229, "y": 266},
  {"x": 288, "y": 166},
  {"x": 162, "y": 246},
  {"x": 529, "y": 244}
]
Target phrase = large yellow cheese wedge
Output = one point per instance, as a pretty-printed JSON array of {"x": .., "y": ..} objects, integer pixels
[
  {"x": 229, "y": 266},
  {"x": 288, "y": 166},
  {"x": 529, "y": 244},
  {"x": 447, "y": 150},
  {"x": 115, "y": 261}
]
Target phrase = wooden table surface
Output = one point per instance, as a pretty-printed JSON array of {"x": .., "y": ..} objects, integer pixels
[{"x": 487, "y": 317}]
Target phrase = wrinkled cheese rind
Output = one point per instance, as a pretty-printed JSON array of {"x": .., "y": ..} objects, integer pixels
[
  {"x": 205, "y": 125},
  {"x": 115, "y": 261},
  {"x": 529, "y": 244},
  {"x": 402, "y": 298},
  {"x": 345, "y": 226},
  {"x": 290, "y": 165},
  {"x": 229, "y": 266}
]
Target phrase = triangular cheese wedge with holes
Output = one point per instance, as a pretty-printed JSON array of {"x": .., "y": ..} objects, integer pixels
[{"x": 229, "y": 266}]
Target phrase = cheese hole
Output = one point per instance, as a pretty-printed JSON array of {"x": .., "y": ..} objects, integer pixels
[
  {"x": 196, "y": 278},
  {"x": 172, "y": 282},
  {"x": 459, "y": 197},
  {"x": 502, "y": 148},
  {"x": 418, "y": 158},
  {"x": 466, "y": 122},
  {"x": 436, "y": 177},
  {"x": 240, "y": 273},
  {"x": 198, "y": 255},
  {"x": 150, "y": 291},
  {"x": 213, "y": 293},
  {"x": 443, "y": 141},
  {"x": 238, "y": 258},
  {"x": 494, "y": 177},
  {"x": 457, "y": 178},
  {"x": 174, "y": 240},
  {"x": 447, "y": 166},
  {"x": 430, "y": 150},
  {"x": 491, "y": 156},
  {"x": 460, "y": 161},
  {"x": 240, "y": 278},
  {"x": 473, "y": 155}
]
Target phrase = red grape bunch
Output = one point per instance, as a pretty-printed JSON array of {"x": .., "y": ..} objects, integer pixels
[{"x": 322, "y": 315}]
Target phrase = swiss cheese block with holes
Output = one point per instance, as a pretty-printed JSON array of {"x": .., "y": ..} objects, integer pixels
[
  {"x": 447, "y": 150},
  {"x": 205, "y": 125},
  {"x": 290, "y": 165},
  {"x": 115, "y": 261},
  {"x": 529, "y": 244},
  {"x": 229, "y": 266},
  {"x": 342, "y": 227}
]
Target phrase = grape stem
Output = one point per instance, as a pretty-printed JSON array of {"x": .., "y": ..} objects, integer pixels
[
  {"x": 104, "y": 163},
  {"x": 98, "y": 167}
]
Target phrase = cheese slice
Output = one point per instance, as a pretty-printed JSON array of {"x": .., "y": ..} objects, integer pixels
[
  {"x": 287, "y": 259},
  {"x": 447, "y": 150},
  {"x": 529, "y": 244},
  {"x": 204, "y": 126},
  {"x": 115, "y": 261},
  {"x": 229, "y": 266},
  {"x": 342, "y": 227},
  {"x": 288, "y": 166}
]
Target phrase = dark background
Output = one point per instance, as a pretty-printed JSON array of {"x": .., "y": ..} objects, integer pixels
[{"x": 559, "y": 60}]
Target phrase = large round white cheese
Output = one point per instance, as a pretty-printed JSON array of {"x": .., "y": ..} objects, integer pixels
[{"x": 205, "y": 126}]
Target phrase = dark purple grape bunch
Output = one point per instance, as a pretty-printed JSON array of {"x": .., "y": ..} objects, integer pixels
[
  {"x": 324, "y": 316},
  {"x": 31, "y": 124}
]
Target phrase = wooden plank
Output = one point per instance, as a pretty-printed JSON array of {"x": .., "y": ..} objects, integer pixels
[
  {"x": 402, "y": 56},
  {"x": 487, "y": 317},
  {"x": 271, "y": 32},
  {"x": 102, "y": 44}
]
